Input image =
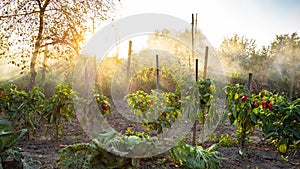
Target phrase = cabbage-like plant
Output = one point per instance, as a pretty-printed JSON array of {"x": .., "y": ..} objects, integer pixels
[
  {"x": 7, "y": 140},
  {"x": 195, "y": 157}
]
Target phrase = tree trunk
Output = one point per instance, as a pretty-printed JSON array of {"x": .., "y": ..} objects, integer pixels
[
  {"x": 32, "y": 70},
  {"x": 37, "y": 45},
  {"x": 44, "y": 68}
]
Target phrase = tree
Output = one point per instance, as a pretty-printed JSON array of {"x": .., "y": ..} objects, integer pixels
[
  {"x": 178, "y": 43},
  {"x": 238, "y": 52},
  {"x": 284, "y": 67},
  {"x": 30, "y": 25},
  {"x": 262, "y": 64}
]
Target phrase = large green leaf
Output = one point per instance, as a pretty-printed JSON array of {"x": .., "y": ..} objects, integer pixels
[
  {"x": 5, "y": 126},
  {"x": 253, "y": 117},
  {"x": 7, "y": 137},
  {"x": 16, "y": 137}
]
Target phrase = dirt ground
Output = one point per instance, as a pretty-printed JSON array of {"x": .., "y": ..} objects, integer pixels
[{"x": 42, "y": 150}]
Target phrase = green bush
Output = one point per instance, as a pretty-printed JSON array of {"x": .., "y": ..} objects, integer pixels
[
  {"x": 239, "y": 111},
  {"x": 237, "y": 78},
  {"x": 277, "y": 118},
  {"x": 145, "y": 80},
  {"x": 22, "y": 107},
  {"x": 59, "y": 106},
  {"x": 281, "y": 124},
  {"x": 165, "y": 107}
]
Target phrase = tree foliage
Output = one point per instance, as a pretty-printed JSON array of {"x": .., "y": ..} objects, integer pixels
[
  {"x": 275, "y": 66},
  {"x": 30, "y": 25},
  {"x": 238, "y": 52},
  {"x": 178, "y": 43}
]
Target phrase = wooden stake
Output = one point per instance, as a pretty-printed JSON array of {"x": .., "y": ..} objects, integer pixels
[
  {"x": 195, "y": 31},
  {"x": 204, "y": 77},
  {"x": 129, "y": 57},
  {"x": 157, "y": 73},
  {"x": 205, "y": 62},
  {"x": 250, "y": 82},
  {"x": 197, "y": 68},
  {"x": 193, "y": 40},
  {"x": 195, "y": 123},
  {"x": 196, "y": 23}
]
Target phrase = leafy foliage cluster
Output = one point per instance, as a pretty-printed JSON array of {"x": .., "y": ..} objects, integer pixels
[
  {"x": 225, "y": 140},
  {"x": 59, "y": 106},
  {"x": 282, "y": 123},
  {"x": 148, "y": 107},
  {"x": 206, "y": 101},
  {"x": 28, "y": 109},
  {"x": 145, "y": 80},
  {"x": 37, "y": 25},
  {"x": 278, "y": 118},
  {"x": 20, "y": 107}
]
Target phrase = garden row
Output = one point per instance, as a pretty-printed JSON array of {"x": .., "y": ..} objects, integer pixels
[
  {"x": 22, "y": 112},
  {"x": 276, "y": 116},
  {"x": 278, "y": 119}
]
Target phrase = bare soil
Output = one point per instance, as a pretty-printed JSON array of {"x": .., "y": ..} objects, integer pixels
[{"x": 42, "y": 149}]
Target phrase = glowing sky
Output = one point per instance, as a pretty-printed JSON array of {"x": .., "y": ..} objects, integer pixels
[{"x": 256, "y": 19}]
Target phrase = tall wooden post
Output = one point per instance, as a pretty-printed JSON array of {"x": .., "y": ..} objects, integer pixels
[
  {"x": 195, "y": 123},
  {"x": 250, "y": 82},
  {"x": 196, "y": 23},
  {"x": 204, "y": 77},
  {"x": 157, "y": 73},
  {"x": 205, "y": 62},
  {"x": 195, "y": 32},
  {"x": 193, "y": 40},
  {"x": 129, "y": 58}
]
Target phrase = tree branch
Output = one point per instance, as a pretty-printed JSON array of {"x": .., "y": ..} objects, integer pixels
[
  {"x": 39, "y": 3},
  {"x": 22, "y": 14}
]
